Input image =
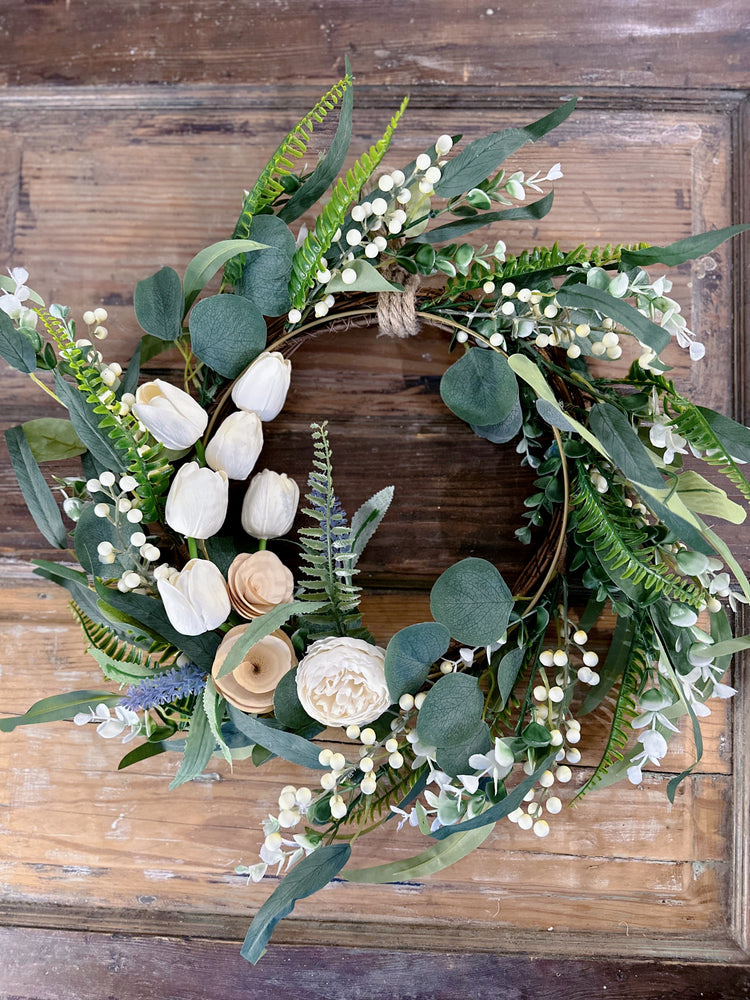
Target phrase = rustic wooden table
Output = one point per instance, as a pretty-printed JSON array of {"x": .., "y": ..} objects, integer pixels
[{"x": 109, "y": 884}]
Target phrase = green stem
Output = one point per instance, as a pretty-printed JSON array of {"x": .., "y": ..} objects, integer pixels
[
  {"x": 200, "y": 452},
  {"x": 192, "y": 548},
  {"x": 46, "y": 388},
  {"x": 262, "y": 544}
]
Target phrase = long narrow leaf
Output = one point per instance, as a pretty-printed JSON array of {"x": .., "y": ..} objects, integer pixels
[
  {"x": 205, "y": 264},
  {"x": 455, "y": 230},
  {"x": 262, "y": 627},
  {"x": 288, "y": 746},
  {"x": 307, "y": 877},
  {"x": 199, "y": 746},
  {"x": 59, "y": 706},
  {"x": 434, "y": 859},
  {"x": 36, "y": 493}
]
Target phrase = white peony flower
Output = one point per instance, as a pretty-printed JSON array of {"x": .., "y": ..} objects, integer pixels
[
  {"x": 195, "y": 600},
  {"x": 171, "y": 415},
  {"x": 341, "y": 681}
]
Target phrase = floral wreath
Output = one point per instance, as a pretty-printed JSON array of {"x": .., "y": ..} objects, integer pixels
[{"x": 214, "y": 644}]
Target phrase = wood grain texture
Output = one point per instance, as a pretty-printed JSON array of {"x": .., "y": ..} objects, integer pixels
[
  {"x": 100, "y": 188},
  {"x": 679, "y": 44},
  {"x": 56, "y": 965}
]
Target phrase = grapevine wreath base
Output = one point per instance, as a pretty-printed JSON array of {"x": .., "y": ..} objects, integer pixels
[{"x": 213, "y": 645}]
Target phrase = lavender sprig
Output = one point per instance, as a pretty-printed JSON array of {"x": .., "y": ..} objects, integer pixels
[{"x": 179, "y": 682}]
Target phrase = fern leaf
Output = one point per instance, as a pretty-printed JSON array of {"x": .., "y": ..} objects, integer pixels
[
  {"x": 142, "y": 457},
  {"x": 119, "y": 660},
  {"x": 606, "y": 530},
  {"x": 693, "y": 426},
  {"x": 634, "y": 675},
  {"x": 327, "y": 558},
  {"x": 269, "y": 184},
  {"x": 308, "y": 259}
]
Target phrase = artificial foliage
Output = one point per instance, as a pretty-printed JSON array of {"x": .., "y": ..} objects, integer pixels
[{"x": 211, "y": 645}]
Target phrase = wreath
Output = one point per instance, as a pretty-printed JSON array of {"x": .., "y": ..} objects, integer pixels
[{"x": 214, "y": 646}]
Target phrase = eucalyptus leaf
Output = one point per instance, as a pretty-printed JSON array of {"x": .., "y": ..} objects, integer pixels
[
  {"x": 480, "y": 388},
  {"x": 368, "y": 279},
  {"x": 59, "y": 706},
  {"x": 504, "y": 431},
  {"x": 205, "y": 264},
  {"x": 614, "y": 431},
  {"x": 37, "y": 494},
  {"x": 159, "y": 304},
  {"x": 454, "y": 759},
  {"x": 287, "y": 707},
  {"x": 682, "y": 250},
  {"x": 265, "y": 274},
  {"x": 455, "y": 230},
  {"x": 227, "y": 332},
  {"x": 481, "y": 157},
  {"x": 473, "y": 602},
  {"x": 507, "y": 672},
  {"x": 579, "y": 296},
  {"x": 410, "y": 654},
  {"x": 16, "y": 348},
  {"x": 263, "y": 626},
  {"x": 451, "y": 712},
  {"x": 288, "y": 746},
  {"x": 434, "y": 859},
  {"x": 308, "y": 876},
  {"x": 90, "y": 530},
  {"x": 198, "y": 747}
]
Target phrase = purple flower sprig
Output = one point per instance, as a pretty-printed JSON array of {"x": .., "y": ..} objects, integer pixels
[{"x": 179, "y": 682}]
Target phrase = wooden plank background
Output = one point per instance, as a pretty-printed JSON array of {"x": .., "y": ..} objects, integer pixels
[{"x": 104, "y": 177}]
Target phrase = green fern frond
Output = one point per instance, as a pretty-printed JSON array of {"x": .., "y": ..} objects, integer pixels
[
  {"x": 626, "y": 709},
  {"x": 308, "y": 259},
  {"x": 693, "y": 426},
  {"x": 393, "y": 786},
  {"x": 269, "y": 184},
  {"x": 327, "y": 559},
  {"x": 608, "y": 531},
  {"x": 142, "y": 457},
  {"x": 120, "y": 661}
]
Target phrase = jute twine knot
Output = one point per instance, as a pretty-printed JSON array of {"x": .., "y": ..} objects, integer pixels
[{"x": 397, "y": 311}]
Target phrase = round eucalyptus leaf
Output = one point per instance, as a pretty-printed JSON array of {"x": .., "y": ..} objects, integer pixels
[
  {"x": 286, "y": 704},
  {"x": 227, "y": 333},
  {"x": 454, "y": 760},
  {"x": 480, "y": 387},
  {"x": 473, "y": 602},
  {"x": 452, "y": 711},
  {"x": 159, "y": 304},
  {"x": 265, "y": 276},
  {"x": 410, "y": 654}
]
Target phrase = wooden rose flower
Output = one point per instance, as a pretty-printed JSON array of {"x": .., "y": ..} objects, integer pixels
[
  {"x": 258, "y": 581},
  {"x": 250, "y": 687}
]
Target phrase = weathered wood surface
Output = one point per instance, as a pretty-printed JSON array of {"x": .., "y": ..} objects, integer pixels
[
  {"x": 678, "y": 44},
  {"x": 60, "y": 965},
  {"x": 98, "y": 188}
]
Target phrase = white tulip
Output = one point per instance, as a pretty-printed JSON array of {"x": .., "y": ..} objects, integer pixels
[
  {"x": 197, "y": 501},
  {"x": 196, "y": 600},
  {"x": 236, "y": 445},
  {"x": 171, "y": 415},
  {"x": 263, "y": 386},
  {"x": 270, "y": 505}
]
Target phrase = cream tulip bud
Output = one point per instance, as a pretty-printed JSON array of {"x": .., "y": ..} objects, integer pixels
[
  {"x": 196, "y": 600},
  {"x": 236, "y": 445},
  {"x": 270, "y": 505},
  {"x": 263, "y": 386},
  {"x": 197, "y": 501},
  {"x": 171, "y": 415}
]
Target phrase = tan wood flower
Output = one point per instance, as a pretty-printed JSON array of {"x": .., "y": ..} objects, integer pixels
[
  {"x": 250, "y": 687},
  {"x": 259, "y": 581}
]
